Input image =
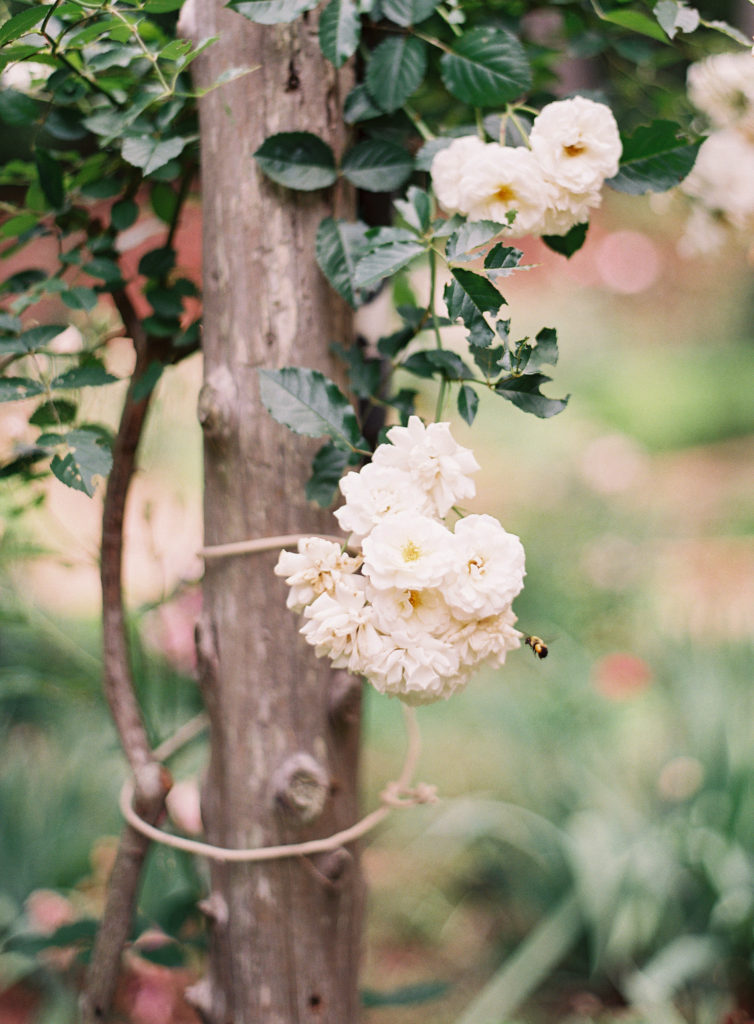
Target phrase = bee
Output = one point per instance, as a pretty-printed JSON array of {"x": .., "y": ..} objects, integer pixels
[{"x": 538, "y": 646}]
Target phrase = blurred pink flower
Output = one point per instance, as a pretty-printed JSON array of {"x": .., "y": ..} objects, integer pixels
[{"x": 621, "y": 675}]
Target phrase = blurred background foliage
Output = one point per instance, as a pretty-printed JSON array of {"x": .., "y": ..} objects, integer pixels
[{"x": 591, "y": 858}]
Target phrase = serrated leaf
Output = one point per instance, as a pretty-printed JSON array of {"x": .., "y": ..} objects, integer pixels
[
  {"x": 449, "y": 363},
  {"x": 420, "y": 365},
  {"x": 384, "y": 261},
  {"x": 524, "y": 392},
  {"x": 502, "y": 260},
  {"x": 487, "y": 359},
  {"x": 462, "y": 243},
  {"x": 309, "y": 403},
  {"x": 468, "y": 403},
  {"x": 339, "y": 31},
  {"x": 408, "y": 12},
  {"x": 37, "y": 337},
  {"x": 297, "y": 160},
  {"x": 52, "y": 413},
  {"x": 88, "y": 456},
  {"x": 545, "y": 352},
  {"x": 272, "y": 12},
  {"x": 23, "y": 22},
  {"x": 416, "y": 209},
  {"x": 391, "y": 344},
  {"x": 338, "y": 248},
  {"x": 13, "y": 389},
  {"x": 150, "y": 154},
  {"x": 327, "y": 469},
  {"x": 395, "y": 71},
  {"x": 674, "y": 16},
  {"x": 569, "y": 243},
  {"x": 470, "y": 295},
  {"x": 377, "y": 165},
  {"x": 50, "y": 175},
  {"x": 359, "y": 105},
  {"x": 654, "y": 159},
  {"x": 90, "y": 374},
  {"x": 635, "y": 21},
  {"x": 487, "y": 68}
]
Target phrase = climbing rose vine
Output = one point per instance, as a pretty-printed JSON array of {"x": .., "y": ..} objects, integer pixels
[{"x": 419, "y": 605}]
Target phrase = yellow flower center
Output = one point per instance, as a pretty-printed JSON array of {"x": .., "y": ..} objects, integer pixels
[
  {"x": 410, "y": 552},
  {"x": 575, "y": 150},
  {"x": 505, "y": 194}
]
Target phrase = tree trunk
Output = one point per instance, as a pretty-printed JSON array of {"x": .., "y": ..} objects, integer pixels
[{"x": 285, "y": 935}]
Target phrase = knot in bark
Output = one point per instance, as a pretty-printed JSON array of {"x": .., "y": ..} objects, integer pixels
[
  {"x": 301, "y": 787},
  {"x": 216, "y": 407},
  {"x": 344, "y": 699}
]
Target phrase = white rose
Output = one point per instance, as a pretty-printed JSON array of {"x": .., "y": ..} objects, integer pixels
[
  {"x": 576, "y": 143},
  {"x": 485, "y": 641},
  {"x": 501, "y": 180},
  {"x": 449, "y": 165},
  {"x": 410, "y": 613},
  {"x": 722, "y": 177},
  {"x": 375, "y": 492},
  {"x": 722, "y": 87},
  {"x": 314, "y": 570},
  {"x": 489, "y": 568},
  {"x": 418, "y": 673},
  {"x": 569, "y": 209},
  {"x": 432, "y": 458},
  {"x": 335, "y": 622},
  {"x": 407, "y": 551}
]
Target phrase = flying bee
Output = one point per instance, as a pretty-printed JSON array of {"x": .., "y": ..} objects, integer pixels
[{"x": 538, "y": 646}]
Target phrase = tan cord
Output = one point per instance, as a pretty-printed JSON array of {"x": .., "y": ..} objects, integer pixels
[{"x": 396, "y": 794}]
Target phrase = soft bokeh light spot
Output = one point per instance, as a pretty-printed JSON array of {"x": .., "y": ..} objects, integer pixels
[{"x": 628, "y": 262}]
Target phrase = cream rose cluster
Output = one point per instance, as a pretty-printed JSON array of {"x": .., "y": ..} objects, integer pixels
[
  {"x": 551, "y": 185},
  {"x": 418, "y": 606},
  {"x": 720, "y": 184}
]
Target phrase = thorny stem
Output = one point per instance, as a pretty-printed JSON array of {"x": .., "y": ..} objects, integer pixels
[
  {"x": 144, "y": 49},
  {"x": 436, "y": 329}
]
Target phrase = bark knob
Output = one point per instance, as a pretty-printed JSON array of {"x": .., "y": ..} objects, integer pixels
[{"x": 302, "y": 786}]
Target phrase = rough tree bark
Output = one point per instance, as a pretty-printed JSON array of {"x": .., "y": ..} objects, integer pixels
[{"x": 284, "y": 737}]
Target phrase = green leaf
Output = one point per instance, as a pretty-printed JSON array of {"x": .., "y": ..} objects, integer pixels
[
  {"x": 674, "y": 16},
  {"x": 327, "y": 469},
  {"x": 149, "y": 154},
  {"x": 11, "y": 323},
  {"x": 23, "y": 22},
  {"x": 654, "y": 159},
  {"x": 545, "y": 352},
  {"x": 90, "y": 374},
  {"x": 468, "y": 403},
  {"x": 396, "y": 70},
  {"x": 88, "y": 456},
  {"x": 359, "y": 105},
  {"x": 50, "y": 414},
  {"x": 468, "y": 296},
  {"x": 416, "y": 209},
  {"x": 635, "y": 21},
  {"x": 308, "y": 403},
  {"x": 450, "y": 364},
  {"x": 106, "y": 269},
  {"x": 146, "y": 383},
  {"x": 487, "y": 359},
  {"x": 15, "y": 226},
  {"x": 729, "y": 30},
  {"x": 13, "y": 389},
  {"x": 408, "y": 12},
  {"x": 50, "y": 175},
  {"x": 462, "y": 242},
  {"x": 338, "y": 248},
  {"x": 487, "y": 68},
  {"x": 502, "y": 260},
  {"x": 391, "y": 344},
  {"x": 570, "y": 242},
  {"x": 420, "y": 365},
  {"x": 16, "y": 108},
  {"x": 123, "y": 214},
  {"x": 525, "y": 393},
  {"x": 80, "y": 297},
  {"x": 37, "y": 337},
  {"x": 298, "y": 160},
  {"x": 339, "y": 31},
  {"x": 377, "y": 165},
  {"x": 272, "y": 12},
  {"x": 157, "y": 263},
  {"x": 385, "y": 261}
]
